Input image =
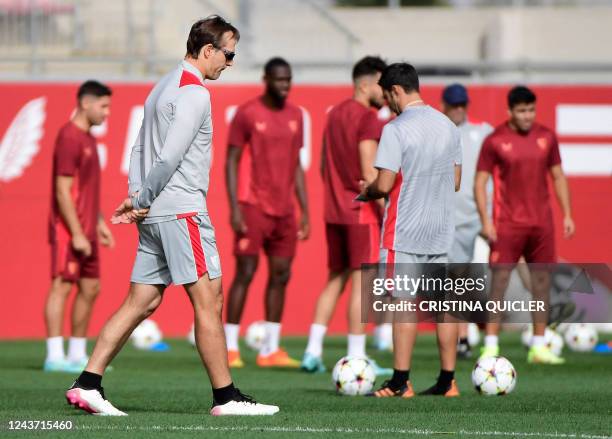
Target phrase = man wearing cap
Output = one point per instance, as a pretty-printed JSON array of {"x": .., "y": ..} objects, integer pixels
[{"x": 455, "y": 102}]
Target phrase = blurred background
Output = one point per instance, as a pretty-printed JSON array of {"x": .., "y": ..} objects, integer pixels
[
  {"x": 486, "y": 40},
  {"x": 563, "y": 49}
]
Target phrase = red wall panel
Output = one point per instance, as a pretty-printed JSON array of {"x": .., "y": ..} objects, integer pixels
[{"x": 24, "y": 202}]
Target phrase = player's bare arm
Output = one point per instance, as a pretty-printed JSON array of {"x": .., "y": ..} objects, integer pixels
[
  {"x": 231, "y": 179},
  {"x": 457, "y": 178},
  {"x": 563, "y": 195},
  {"x": 302, "y": 197},
  {"x": 480, "y": 195},
  {"x": 104, "y": 234},
  {"x": 367, "y": 157},
  {"x": 381, "y": 186},
  {"x": 63, "y": 184}
]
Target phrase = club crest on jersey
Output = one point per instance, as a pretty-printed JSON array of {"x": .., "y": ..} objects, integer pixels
[
  {"x": 87, "y": 152},
  {"x": 243, "y": 244},
  {"x": 72, "y": 267},
  {"x": 542, "y": 142},
  {"x": 260, "y": 126},
  {"x": 507, "y": 147},
  {"x": 293, "y": 126}
]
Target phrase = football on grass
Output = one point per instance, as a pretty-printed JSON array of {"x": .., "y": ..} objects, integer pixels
[
  {"x": 255, "y": 335},
  {"x": 554, "y": 341},
  {"x": 353, "y": 376},
  {"x": 581, "y": 337},
  {"x": 494, "y": 376},
  {"x": 146, "y": 335}
]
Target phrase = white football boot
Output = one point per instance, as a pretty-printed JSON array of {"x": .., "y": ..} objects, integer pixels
[
  {"x": 92, "y": 401},
  {"x": 243, "y": 405}
]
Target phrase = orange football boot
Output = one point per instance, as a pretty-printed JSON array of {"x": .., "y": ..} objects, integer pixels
[
  {"x": 453, "y": 391},
  {"x": 280, "y": 358},
  {"x": 234, "y": 360},
  {"x": 385, "y": 391}
]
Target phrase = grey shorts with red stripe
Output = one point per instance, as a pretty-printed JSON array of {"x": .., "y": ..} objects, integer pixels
[{"x": 178, "y": 251}]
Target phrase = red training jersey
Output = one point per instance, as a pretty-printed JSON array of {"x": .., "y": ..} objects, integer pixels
[
  {"x": 266, "y": 175},
  {"x": 348, "y": 123},
  {"x": 76, "y": 155},
  {"x": 520, "y": 164}
]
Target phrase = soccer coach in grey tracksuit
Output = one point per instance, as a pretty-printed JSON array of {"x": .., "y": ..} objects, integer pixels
[{"x": 168, "y": 185}]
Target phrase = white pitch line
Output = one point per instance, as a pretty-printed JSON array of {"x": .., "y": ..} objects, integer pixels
[{"x": 298, "y": 429}]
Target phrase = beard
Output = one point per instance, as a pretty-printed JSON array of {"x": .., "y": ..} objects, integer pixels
[
  {"x": 376, "y": 104},
  {"x": 524, "y": 127}
]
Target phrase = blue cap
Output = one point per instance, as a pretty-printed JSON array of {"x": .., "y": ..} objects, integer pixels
[{"x": 455, "y": 94}]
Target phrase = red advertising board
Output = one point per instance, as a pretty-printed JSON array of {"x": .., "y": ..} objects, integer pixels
[{"x": 33, "y": 112}]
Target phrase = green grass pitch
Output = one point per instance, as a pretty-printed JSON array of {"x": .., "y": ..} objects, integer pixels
[{"x": 167, "y": 395}]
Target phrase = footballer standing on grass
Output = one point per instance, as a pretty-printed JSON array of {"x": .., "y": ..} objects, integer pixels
[
  {"x": 262, "y": 208},
  {"x": 352, "y": 229},
  {"x": 76, "y": 227},
  {"x": 168, "y": 187},
  {"x": 520, "y": 154},
  {"x": 419, "y": 163},
  {"x": 455, "y": 102}
]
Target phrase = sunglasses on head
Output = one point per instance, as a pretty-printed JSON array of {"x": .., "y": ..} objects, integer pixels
[{"x": 229, "y": 55}]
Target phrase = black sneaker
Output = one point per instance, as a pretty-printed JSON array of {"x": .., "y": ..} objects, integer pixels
[{"x": 451, "y": 391}]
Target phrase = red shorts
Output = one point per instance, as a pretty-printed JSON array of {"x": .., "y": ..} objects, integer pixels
[
  {"x": 276, "y": 235},
  {"x": 535, "y": 243},
  {"x": 350, "y": 245},
  {"x": 72, "y": 266}
]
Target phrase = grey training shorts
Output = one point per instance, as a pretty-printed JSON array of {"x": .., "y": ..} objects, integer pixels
[
  {"x": 178, "y": 251},
  {"x": 462, "y": 251}
]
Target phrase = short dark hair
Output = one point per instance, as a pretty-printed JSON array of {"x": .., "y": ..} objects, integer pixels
[
  {"x": 93, "y": 88},
  {"x": 272, "y": 63},
  {"x": 369, "y": 65},
  {"x": 402, "y": 74},
  {"x": 520, "y": 95},
  {"x": 209, "y": 30}
]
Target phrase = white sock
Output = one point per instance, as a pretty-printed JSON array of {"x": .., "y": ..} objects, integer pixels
[
  {"x": 376, "y": 333},
  {"x": 231, "y": 336},
  {"x": 356, "y": 345},
  {"x": 272, "y": 340},
  {"x": 77, "y": 349},
  {"x": 491, "y": 341},
  {"x": 315, "y": 339},
  {"x": 384, "y": 331},
  {"x": 55, "y": 348},
  {"x": 538, "y": 340}
]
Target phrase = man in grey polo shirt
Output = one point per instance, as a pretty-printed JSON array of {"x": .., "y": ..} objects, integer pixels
[{"x": 419, "y": 163}]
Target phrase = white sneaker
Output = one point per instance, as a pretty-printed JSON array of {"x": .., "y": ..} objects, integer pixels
[
  {"x": 92, "y": 401},
  {"x": 243, "y": 406}
]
